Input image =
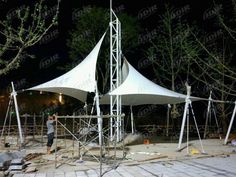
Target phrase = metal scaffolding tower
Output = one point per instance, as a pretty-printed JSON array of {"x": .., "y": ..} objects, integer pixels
[{"x": 115, "y": 74}]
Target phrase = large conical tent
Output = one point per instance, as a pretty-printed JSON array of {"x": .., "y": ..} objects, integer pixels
[
  {"x": 137, "y": 90},
  {"x": 78, "y": 81}
]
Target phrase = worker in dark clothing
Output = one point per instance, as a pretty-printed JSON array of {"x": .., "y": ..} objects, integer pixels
[{"x": 50, "y": 131}]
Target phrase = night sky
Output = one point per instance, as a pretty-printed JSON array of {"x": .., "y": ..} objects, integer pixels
[{"x": 51, "y": 52}]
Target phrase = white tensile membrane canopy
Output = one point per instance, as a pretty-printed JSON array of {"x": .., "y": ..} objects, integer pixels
[
  {"x": 78, "y": 81},
  {"x": 137, "y": 90}
]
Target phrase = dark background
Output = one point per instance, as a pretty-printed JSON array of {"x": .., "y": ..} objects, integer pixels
[
  {"x": 52, "y": 52},
  {"x": 54, "y": 44}
]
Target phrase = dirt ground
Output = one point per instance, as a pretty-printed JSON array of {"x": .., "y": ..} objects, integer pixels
[{"x": 69, "y": 156}]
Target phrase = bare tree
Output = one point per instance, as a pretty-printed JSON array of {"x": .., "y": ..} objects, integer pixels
[
  {"x": 22, "y": 31},
  {"x": 205, "y": 61},
  {"x": 174, "y": 49}
]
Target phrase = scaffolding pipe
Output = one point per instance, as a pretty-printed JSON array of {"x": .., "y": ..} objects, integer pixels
[
  {"x": 132, "y": 119},
  {"x": 187, "y": 102},
  {"x": 207, "y": 116},
  {"x": 14, "y": 94},
  {"x": 230, "y": 125}
]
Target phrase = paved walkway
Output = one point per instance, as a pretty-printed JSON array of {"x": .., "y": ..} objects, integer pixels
[{"x": 219, "y": 166}]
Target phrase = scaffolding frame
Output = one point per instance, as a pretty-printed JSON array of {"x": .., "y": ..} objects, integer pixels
[
  {"x": 210, "y": 110},
  {"x": 82, "y": 145},
  {"x": 115, "y": 75},
  {"x": 187, "y": 109}
]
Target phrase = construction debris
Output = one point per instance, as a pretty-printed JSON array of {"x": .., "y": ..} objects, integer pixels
[
  {"x": 17, "y": 166},
  {"x": 153, "y": 158},
  {"x": 179, "y": 150},
  {"x": 31, "y": 156},
  {"x": 31, "y": 169},
  {"x": 7, "y": 157},
  {"x": 194, "y": 151},
  {"x": 233, "y": 142}
]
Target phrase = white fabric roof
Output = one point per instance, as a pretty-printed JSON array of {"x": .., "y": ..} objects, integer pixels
[
  {"x": 78, "y": 81},
  {"x": 137, "y": 90}
]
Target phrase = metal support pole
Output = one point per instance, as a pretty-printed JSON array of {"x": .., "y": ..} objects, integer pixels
[
  {"x": 111, "y": 72},
  {"x": 168, "y": 119},
  {"x": 195, "y": 121},
  {"x": 56, "y": 144},
  {"x": 14, "y": 94},
  {"x": 25, "y": 125},
  {"x": 230, "y": 125},
  {"x": 99, "y": 121},
  {"x": 115, "y": 73},
  {"x": 187, "y": 143},
  {"x": 132, "y": 119},
  {"x": 42, "y": 126},
  {"x": 207, "y": 116},
  {"x": 34, "y": 127},
  {"x": 187, "y": 102},
  {"x": 7, "y": 113},
  {"x": 73, "y": 142}
]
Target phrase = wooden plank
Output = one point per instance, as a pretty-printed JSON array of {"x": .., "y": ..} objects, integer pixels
[
  {"x": 154, "y": 158},
  {"x": 184, "y": 147}
]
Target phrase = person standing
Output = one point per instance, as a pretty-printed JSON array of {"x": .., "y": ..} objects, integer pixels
[{"x": 50, "y": 131}]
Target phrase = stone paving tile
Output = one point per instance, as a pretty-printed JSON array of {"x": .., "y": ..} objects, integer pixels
[
  {"x": 151, "y": 169},
  {"x": 70, "y": 174},
  {"x": 141, "y": 171},
  {"x": 80, "y": 173},
  {"x": 112, "y": 173},
  {"x": 123, "y": 172},
  {"x": 40, "y": 175},
  {"x": 30, "y": 175},
  {"x": 204, "y": 167},
  {"x": 92, "y": 173}
]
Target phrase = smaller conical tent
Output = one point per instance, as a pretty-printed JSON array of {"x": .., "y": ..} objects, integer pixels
[
  {"x": 78, "y": 81},
  {"x": 137, "y": 90}
]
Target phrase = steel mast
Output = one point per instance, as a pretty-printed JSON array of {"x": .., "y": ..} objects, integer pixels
[{"x": 115, "y": 74}]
